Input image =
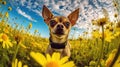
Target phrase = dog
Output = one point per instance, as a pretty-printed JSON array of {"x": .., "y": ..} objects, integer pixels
[{"x": 59, "y": 27}]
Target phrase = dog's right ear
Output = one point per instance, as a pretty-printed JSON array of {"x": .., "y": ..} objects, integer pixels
[{"x": 47, "y": 15}]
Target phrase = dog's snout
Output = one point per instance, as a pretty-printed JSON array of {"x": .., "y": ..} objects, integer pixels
[{"x": 60, "y": 26}]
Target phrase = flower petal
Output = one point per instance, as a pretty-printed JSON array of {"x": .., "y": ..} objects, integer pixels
[
  {"x": 25, "y": 66},
  {"x": 13, "y": 64},
  {"x": 56, "y": 56},
  {"x": 7, "y": 45},
  {"x": 48, "y": 57},
  {"x": 63, "y": 60},
  {"x": 16, "y": 61},
  {"x": 39, "y": 58},
  {"x": 10, "y": 44},
  {"x": 68, "y": 64},
  {"x": 19, "y": 64},
  {"x": 3, "y": 44}
]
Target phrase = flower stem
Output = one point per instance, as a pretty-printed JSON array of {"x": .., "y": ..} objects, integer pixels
[
  {"x": 101, "y": 48},
  {"x": 18, "y": 45}
]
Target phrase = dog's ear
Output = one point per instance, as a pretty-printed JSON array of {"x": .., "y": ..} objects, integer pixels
[
  {"x": 47, "y": 15},
  {"x": 73, "y": 16}
]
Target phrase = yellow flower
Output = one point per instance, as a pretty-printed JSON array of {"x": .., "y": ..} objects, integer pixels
[
  {"x": 35, "y": 31},
  {"x": 4, "y": 2},
  {"x": 115, "y": 15},
  {"x": 109, "y": 27},
  {"x": 110, "y": 58},
  {"x": 117, "y": 63},
  {"x": 117, "y": 34},
  {"x": 17, "y": 63},
  {"x": 9, "y": 8},
  {"x": 30, "y": 26},
  {"x": 115, "y": 4},
  {"x": 6, "y": 30},
  {"x": 18, "y": 38},
  {"x": 108, "y": 35},
  {"x": 5, "y": 41},
  {"x": 94, "y": 22},
  {"x": 102, "y": 21},
  {"x": 53, "y": 61},
  {"x": 6, "y": 14},
  {"x": 96, "y": 34}
]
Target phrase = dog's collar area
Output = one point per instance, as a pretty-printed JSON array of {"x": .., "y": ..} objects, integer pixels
[{"x": 57, "y": 45}]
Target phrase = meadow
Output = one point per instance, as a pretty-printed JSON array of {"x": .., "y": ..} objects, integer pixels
[{"x": 18, "y": 46}]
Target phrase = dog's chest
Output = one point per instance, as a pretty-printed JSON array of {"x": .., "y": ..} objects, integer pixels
[{"x": 58, "y": 50}]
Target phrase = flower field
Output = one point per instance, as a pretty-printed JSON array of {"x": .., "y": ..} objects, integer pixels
[{"x": 20, "y": 48}]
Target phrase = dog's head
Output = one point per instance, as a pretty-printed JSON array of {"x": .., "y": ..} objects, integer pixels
[{"x": 59, "y": 25}]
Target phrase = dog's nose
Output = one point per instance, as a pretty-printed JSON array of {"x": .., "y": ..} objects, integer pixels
[{"x": 60, "y": 26}]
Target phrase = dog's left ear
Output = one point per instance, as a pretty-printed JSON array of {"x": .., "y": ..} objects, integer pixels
[{"x": 73, "y": 17}]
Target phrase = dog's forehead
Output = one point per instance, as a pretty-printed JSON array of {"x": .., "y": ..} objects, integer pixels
[{"x": 60, "y": 18}]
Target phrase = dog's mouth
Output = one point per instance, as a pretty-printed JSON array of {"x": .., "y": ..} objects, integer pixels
[{"x": 59, "y": 32}]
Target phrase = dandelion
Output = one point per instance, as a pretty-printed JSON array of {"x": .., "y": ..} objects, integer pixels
[
  {"x": 53, "y": 61},
  {"x": 5, "y": 41},
  {"x": 17, "y": 63},
  {"x": 9, "y": 8}
]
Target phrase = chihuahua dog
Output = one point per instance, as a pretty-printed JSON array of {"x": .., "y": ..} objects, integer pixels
[{"x": 59, "y": 27}]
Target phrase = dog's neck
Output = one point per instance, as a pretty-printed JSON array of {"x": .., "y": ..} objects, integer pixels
[
  {"x": 56, "y": 39},
  {"x": 58, "y": 43}
]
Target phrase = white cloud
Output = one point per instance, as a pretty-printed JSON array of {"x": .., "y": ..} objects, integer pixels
[
  {"x": 89, "y": 9},
  {"x": 23, "y": 2},
  {"x": 25, "y": 15},
  {"x": 38, "y": 12}
]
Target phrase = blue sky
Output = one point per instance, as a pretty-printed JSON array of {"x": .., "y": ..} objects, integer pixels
[{"x": 28, "y": 11}]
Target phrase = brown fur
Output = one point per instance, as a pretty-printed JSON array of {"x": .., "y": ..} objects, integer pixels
[{"x": 64, "y": 23}]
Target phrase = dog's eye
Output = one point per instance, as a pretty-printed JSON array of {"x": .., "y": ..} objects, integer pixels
[
  {"x": 52, "y": 23},
  {"x": 67, "y": 24}
]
